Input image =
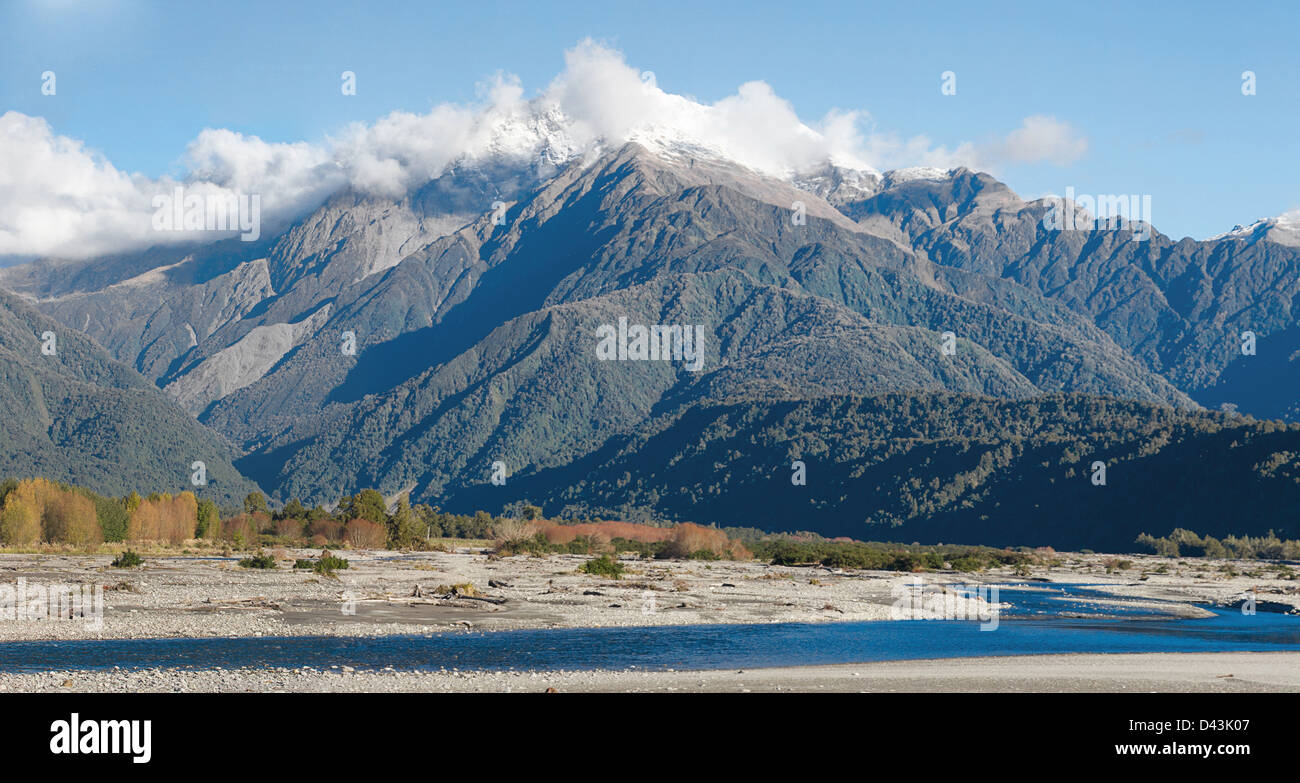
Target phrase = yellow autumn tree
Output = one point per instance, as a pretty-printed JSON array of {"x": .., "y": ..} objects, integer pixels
[
  {"x": 164, "y": 518},
  {"x": 69, "y": 518},
  {"x": 38, "y": 509},
  {"x": 20, "y": 524}
]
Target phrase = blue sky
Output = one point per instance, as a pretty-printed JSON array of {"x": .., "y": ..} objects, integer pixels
[{"x": 1155, "y": 89}]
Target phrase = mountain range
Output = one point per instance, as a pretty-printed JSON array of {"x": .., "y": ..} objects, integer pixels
[{"x": 942, "y": 362}]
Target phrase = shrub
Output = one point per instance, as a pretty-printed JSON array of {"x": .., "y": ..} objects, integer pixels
[
  {"x": 967, "y": 564},
  {"x": 698, "y": 542},
  {"x": 510, "y": 532},
  {"x": 289, "y": 528},
  {"x": 127, "y": 559},
  {"x": 465, "y": 588},
  {"x": 364, "y": 534},
  {"x": 260, "y": 560},
  {"x": 324, "y": 530},
  {"x": 603, "y": 566},
  {"x": 240, "y": 529},
  {"x": 1114, "y": 564},
  {"x": 326, "y": 564},
  {"x": 1180, "y": 543},
  {"x": 329, "y": 562},
  {"x": 208, "y": 524}
]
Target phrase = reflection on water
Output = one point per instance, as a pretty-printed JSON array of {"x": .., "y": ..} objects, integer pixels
[{"x": 1032, "y": 625}]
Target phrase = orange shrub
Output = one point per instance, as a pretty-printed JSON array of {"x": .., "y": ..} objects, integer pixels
[
  {"x": 684, "y": 539},
  {"x": 289, "y": 528},
  {"x": 364, "y": 534},
  {"x": 606, "y": 531},
  {"x": 242, "y": 525},
  {"x": 263, "y": 522},
  {"x": 689, "y": 538},
  {"x": 326, "y": 529}
]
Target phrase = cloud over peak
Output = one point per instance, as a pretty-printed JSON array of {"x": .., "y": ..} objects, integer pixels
[{"x": 59, "y": 198}]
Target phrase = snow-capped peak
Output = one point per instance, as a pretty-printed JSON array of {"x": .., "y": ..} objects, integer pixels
[
  {"x": 917, "y": 172},
  {"x": 542, "y": 134},
  {"x": 1283, "y": 230}
]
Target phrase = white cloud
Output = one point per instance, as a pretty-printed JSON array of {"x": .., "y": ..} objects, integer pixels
[
  {"x": 58, "y": 198},
  {"x": 1042, "y": 139},
  {"x": 298, "y": 175},
  {"x": 52, "y": 187}
]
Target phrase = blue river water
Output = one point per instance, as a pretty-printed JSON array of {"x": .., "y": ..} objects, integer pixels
[{"x": 1036, "y": 625}]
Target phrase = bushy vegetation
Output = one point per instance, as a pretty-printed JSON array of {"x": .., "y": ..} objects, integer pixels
[
  {"x": 325, "y": 564},
  {"x": 127, "y": 559},
  {"x": 603, "y": 566},
  {"x": 1185, "y": 543},
  {"x": 330, "y": 563},
  {"x": 364, "y": 534},
  {"x": 885, "y": 557},
  {"x": 37, "y": 512},
  {"x": 259, "y": 560},
  {"x": 113, "y": 517},
  {"x": 683, "y": 541}
]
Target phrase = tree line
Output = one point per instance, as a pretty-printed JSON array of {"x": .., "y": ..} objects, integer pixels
[{"x": 36, "y": 511}]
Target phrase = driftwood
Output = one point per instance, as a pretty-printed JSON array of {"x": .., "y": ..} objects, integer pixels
[
  {"x": 260, "y": 602},
  {"x": 462, "y": 597},
  {"x": 430, "y": 598}
]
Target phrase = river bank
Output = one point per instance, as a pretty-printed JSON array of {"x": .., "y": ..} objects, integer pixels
[
  {"x": 385, "y": 593},
  {"x": 1150, "y": 672}
]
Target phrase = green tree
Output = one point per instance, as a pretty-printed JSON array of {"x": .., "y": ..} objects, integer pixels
[
  {"x": 9, "y": 485},
  {"x": 112, "y": 517},
  {"x": 367, "y": 504},
  {"x": 522, "y": 509},
  {"x": 405, "y": 528},
  {"x": 431, "y": 519},
  {"x": 209, "y": 524},
  {"x": 294, "y": 509},
  {"x": 254, "y": 503}
]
